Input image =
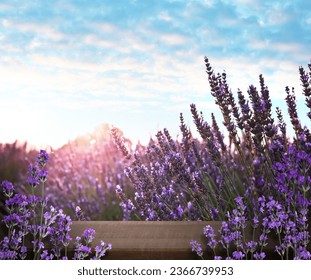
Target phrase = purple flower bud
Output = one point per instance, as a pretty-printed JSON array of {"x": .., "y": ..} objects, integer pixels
[
  {"x": 84, "y": 249},
  {"x": 251, "y": 246},
  {"x": 43, "y": 158},
  {"x": 8, "y": 188},
  {"x": 46, "y": 256},
  {"x": 12, "y": 220},
  {"x": 259, "y": 256},
  {"x": 33, "y": 181},
  {"x": 196, "y": 247},
  {"x": 88, "y": 235},
  {"x": 209, "y": 231},
  {"x": 238, "y": 255},
  {"x": 42, "y": 175},
  {"x": 255, "y": 222}
]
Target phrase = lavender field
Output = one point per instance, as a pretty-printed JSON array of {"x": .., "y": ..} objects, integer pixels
[{"x": 246, "y": 170}]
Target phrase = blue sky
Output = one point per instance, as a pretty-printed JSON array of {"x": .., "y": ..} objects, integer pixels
[{"x": 68, "y": 66}]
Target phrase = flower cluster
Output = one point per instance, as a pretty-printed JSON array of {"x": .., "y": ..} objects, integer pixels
[
  {"x": 85, "y": 171},
  {"x": 86, "y": 176},
  {"x": 33, "y": 224},
  {"x": 84, "y": 250},
  {"x": 278, "y": 195},
  {"x": 259, "y": 176},
  {"x": 291, "y": 239}
]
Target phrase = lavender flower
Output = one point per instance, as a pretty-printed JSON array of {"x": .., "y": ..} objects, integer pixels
[
  {"x": 82, "y": 252},
  {"x": 42, "y": 175},
  {"x": 259, "y": 256},
  {"x": 28, "y": 216},
  {"x": 302, "y": 254},
  {"x": 101, "y": 250},
  {"x": 197, "y": 248},
  {"x": 211, "y": 236},
  {"x": 88, "y": 235},
  {"x": 79, "y": 215},
  {"x": 43, "y": 158},
  {"x": 8, "y": 188},
  {"x": 238, "y": 255}
]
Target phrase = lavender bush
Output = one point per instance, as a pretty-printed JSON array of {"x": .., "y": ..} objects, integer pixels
[
  {"x": 85, "y": 171},
  {"x": 86, "y": 175},
  {"x": 253, "y": 176},
  {"x": 259, "y": 176},
  {"x": 13, "y": 165},
  {"x": 32, "y": 223}
]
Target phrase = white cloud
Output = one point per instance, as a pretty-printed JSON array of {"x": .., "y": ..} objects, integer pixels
[
  {"x": 164, "y": 16},
  {"x": 150, "y": 80},
  {"x": 178, "y": 99},
  {"x": 107, "y": 43},
  {"x": 8, "y": 47},
  {"x": 34, "y": 44},
  {"x": 104, "y": 27},
  {"x": 6, "y": 7},
  {"x": 174, "y": 39},
  {"x": 243, "y": 71},
  {"x": 136, "y": 43},
  {"x": 247, "y": 1},
  {"x": 205, "y": 105},
  {"x": 5, "y": 22},
  {"x": 64, "y": 63},
  {"x": 276, "y": 16},
  {"x": 184, "y": 107},
  {"x": 297, "y": 51},
  {"x": 212, "y": 37},
  {"x": 40, "y": 30},
  {"x": 155, "y": 78},
  {"x": 123, "y": 42},
  {"x": 209, "y": 3}
]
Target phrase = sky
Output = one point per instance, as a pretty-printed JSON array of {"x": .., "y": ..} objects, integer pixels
[{"x": 68, "y": 66}]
